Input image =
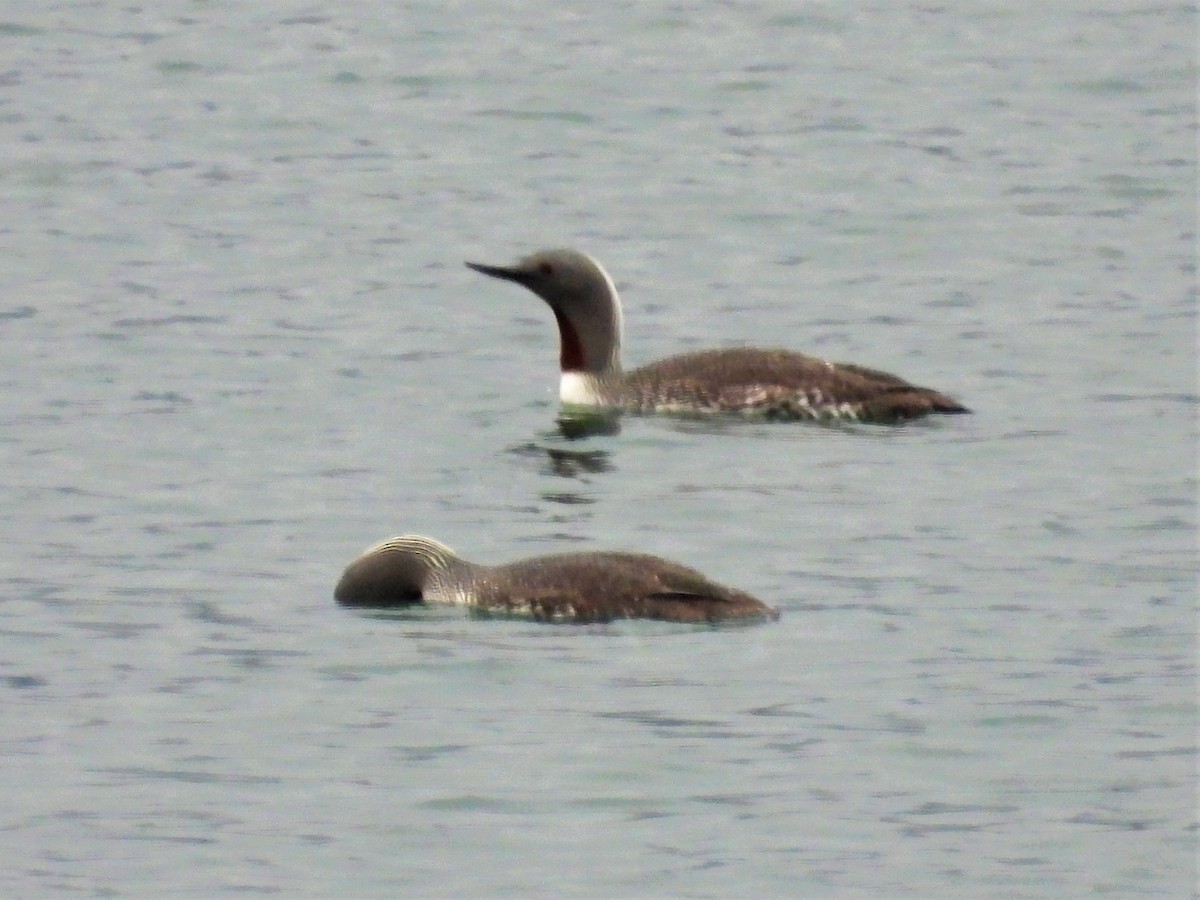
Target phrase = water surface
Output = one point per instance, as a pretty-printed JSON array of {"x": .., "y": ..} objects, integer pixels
[{"x": 239, "y": 346}]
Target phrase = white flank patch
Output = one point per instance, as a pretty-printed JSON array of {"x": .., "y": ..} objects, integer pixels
[{"x": 847, "y": 411}]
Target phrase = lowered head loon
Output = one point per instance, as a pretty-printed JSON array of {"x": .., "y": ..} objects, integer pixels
[
  {"x": 778, "y": 384},
  {"x": 563, "y": 587}
]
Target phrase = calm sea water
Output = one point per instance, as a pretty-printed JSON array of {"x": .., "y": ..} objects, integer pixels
[{"x": 239, "y": 345}]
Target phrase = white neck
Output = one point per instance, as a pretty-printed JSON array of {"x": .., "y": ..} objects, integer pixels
[{"x": 580, "y": 389}]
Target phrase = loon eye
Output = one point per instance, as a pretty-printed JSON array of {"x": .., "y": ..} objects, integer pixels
[{"x": 545, "y": 268}]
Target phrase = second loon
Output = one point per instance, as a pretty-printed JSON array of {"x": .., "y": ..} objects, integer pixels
[
  {"x": 562, "y": 587},
  {"x": 777, "y": 384}
]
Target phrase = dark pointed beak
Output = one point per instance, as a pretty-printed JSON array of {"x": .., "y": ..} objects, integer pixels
[{"x": 508, "y": 273}]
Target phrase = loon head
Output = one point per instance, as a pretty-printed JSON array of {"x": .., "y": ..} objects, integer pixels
[
  {"x": 396, "y": 572},
  {"x": 583, "y": 299}
]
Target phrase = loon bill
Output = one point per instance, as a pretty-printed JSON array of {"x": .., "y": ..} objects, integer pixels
[
  {"x": 563, "y": 587},
  {"x": 778, "y": 384}
]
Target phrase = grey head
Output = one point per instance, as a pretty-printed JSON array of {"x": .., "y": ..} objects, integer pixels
[
  {"x": 400, "y": 571},
  {"x": 584, "y": 301}
]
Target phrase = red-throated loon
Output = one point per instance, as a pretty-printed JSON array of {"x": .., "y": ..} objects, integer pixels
[
  {"x": 564, "y": 587},
  {"x": 779, "y": 384}
]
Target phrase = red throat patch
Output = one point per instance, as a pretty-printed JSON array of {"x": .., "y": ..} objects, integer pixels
[{"x": 570, "y": 357}]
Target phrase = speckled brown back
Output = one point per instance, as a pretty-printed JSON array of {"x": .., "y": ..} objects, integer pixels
[{"x": 600, "y": 587}]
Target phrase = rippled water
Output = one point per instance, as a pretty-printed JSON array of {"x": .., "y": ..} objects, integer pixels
[{"x": 239, "y": 346}]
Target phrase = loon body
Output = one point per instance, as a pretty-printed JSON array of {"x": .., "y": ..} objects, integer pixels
[
  {"x": 778, "y": 384},
  {"x": 564, "y": 587}
]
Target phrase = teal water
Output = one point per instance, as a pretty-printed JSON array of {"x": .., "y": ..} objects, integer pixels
[{"x": 239, "y": 345}]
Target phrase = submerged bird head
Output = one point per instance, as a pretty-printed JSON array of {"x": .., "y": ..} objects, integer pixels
[
  {"x": 583, "y": 299},
  {"x": 396, "y": 572}
]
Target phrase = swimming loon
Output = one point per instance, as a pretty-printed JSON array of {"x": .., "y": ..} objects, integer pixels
[
  {"x": 779, "y": 384},
  {"x": 564, "y": 587}
]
